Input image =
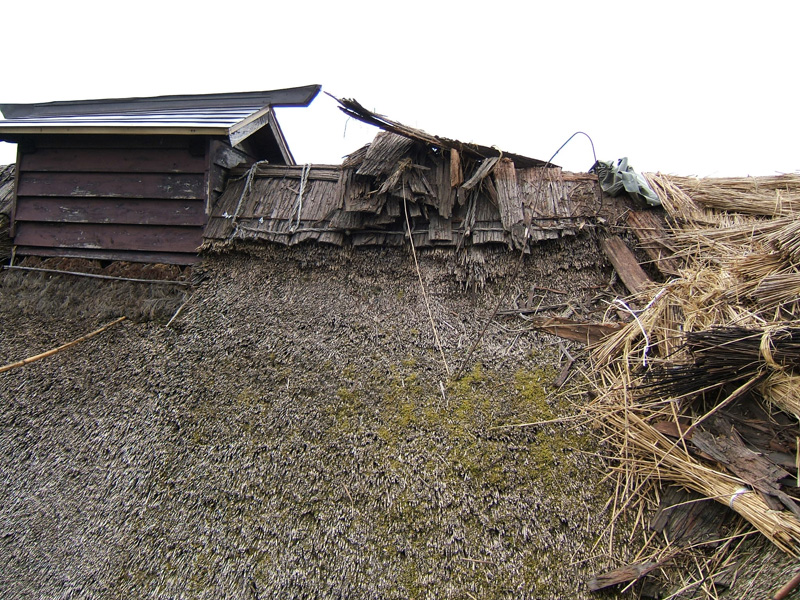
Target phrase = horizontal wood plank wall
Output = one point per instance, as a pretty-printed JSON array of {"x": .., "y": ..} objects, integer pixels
[{"x": 140, "y": 198}]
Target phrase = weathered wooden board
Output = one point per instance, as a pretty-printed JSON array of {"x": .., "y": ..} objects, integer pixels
[
  {"x": 508, "y": 200},
  {"x": 625, "y": 263},
  {"x": 440, "y": 229},
  {"x": 486, "y": 167},
  {"x": 621, "y": 575},
  {"x": 118, "y": 141},
  {"x": 106, "y": 237},
  {"x": 586, "y": 333},
  {"x": 172, "y": 258},
  {"x": 456, "y": 172},
  {"x": 383, "y": 154},
  {"x": 111, "y": 210},
  {"x": 114, "y": 160},
  {"x": 653, "y": 239},
  {"x": 112, "y": 185}
]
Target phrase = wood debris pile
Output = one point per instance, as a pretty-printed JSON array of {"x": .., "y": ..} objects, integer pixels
[
  {"x": 407, "y": 184},
  {"x": 700, "y": 389}
]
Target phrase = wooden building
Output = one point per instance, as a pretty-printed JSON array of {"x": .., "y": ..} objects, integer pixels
[{"x": 134, "y": 179}]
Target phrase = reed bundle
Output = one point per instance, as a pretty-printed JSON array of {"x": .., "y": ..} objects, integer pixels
[
  {"x": 783, "y": 390},
  {"x": 721, "y": 338},
  {"x": 659, "y": 458},
  {"x": 767, "y": 196}
]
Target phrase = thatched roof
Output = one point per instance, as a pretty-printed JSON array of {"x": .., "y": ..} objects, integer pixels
[
  {"x": 448, "y": 198},
  {"x": 293, "y": 434}
]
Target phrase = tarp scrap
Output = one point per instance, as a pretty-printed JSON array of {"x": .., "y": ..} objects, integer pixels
[{"x": 618, "y": 175}]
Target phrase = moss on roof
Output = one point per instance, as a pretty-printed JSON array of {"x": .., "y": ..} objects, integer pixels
[{"x": 293, "y": 434}]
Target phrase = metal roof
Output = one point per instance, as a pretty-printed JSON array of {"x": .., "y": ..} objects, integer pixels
[{"x": 236, "y": 115}]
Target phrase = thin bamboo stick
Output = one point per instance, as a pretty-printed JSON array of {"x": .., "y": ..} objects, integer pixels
[{"x": 30, "y": 359}]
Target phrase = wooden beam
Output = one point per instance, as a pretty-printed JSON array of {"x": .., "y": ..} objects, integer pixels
[
  {"x": 626, "y": 265},
  {"x": 653, "y": 239}
]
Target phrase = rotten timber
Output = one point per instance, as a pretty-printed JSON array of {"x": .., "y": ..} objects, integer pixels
[
  {"x": 451, "y": 199},
  {"x": 625, "y": 263},
  {"x": 653, "y": 239},
  {"x": 585, "y": 333}
]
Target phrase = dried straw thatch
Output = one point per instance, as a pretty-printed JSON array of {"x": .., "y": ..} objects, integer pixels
[
  {"x": 699, "y": 390},
  {"x": 293, "y": 434}
]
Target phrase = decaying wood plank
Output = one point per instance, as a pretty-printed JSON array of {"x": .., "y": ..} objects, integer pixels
[
  {"x": 172, "y": 258},
  {"x": 353, "y": 109},
  {"x": 653, "y": 239},
  {"x": 482, "y": 172},
  {"x": 586, "y": 333},
  {"x": 508, "y": 201},
  {"x": 440, "y": 228},
  {"x": 759, "y": 472},
  {"x": 384, "y": 153},
  {"x": 625, "y": 263},
  {"x": 687, "y": 517},
  {"x": 622, "y": 575},
  {"x": 456, "y": 172}
]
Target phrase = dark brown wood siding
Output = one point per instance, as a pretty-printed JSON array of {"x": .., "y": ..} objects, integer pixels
[{"x": 112, "y": 197}]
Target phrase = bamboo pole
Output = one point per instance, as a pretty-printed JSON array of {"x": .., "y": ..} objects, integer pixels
[
  {"x": 98, "y": 276},
  {"x": 30, "y": 359}
]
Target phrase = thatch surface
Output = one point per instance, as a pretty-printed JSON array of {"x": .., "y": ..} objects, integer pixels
[{"x": 287, "y": 437}]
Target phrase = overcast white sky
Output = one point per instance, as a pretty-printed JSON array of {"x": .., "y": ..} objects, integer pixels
[{"x": 694, "y": 88}]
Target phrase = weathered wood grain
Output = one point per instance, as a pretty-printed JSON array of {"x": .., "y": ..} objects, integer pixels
[
  {"x": 625, "y": 263},
  {"x": 653, "y": 238},
  {"x": 111, "y": 210},
  {"x": 486, "y": 167},
  {"x": 105, "y": 237},
  {"x": 456, "y": 172},
  {"x": 508, "y": 201},
  {"x": 114, "y": 160},
  {"x": 172, "y": 258},
  {"x": 384, "y": 153},
  {"x": 112, "y": 185}
]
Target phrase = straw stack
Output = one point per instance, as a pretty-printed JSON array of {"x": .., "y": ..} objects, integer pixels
[{"x": 721, "y": 339}]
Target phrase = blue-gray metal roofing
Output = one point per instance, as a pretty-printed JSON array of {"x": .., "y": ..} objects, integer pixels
[
  {"x": 207, "y": 113},
  {"x": 194, "y": 118}
]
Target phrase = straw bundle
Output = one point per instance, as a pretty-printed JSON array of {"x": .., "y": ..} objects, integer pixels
[
  {"x": 711, "y": 345},
  {"x": 668, "y": 460},
  {"x": 783, "y": 390},
  {"x": 767, "y": 196}
]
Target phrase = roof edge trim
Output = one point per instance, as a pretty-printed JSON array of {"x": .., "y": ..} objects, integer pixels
[{"x": 297, "y": 96}]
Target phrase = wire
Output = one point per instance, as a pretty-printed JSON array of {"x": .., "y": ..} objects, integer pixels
[
  {"x": 594, "y": 154},
  {"x": 518, "y": 269}
]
